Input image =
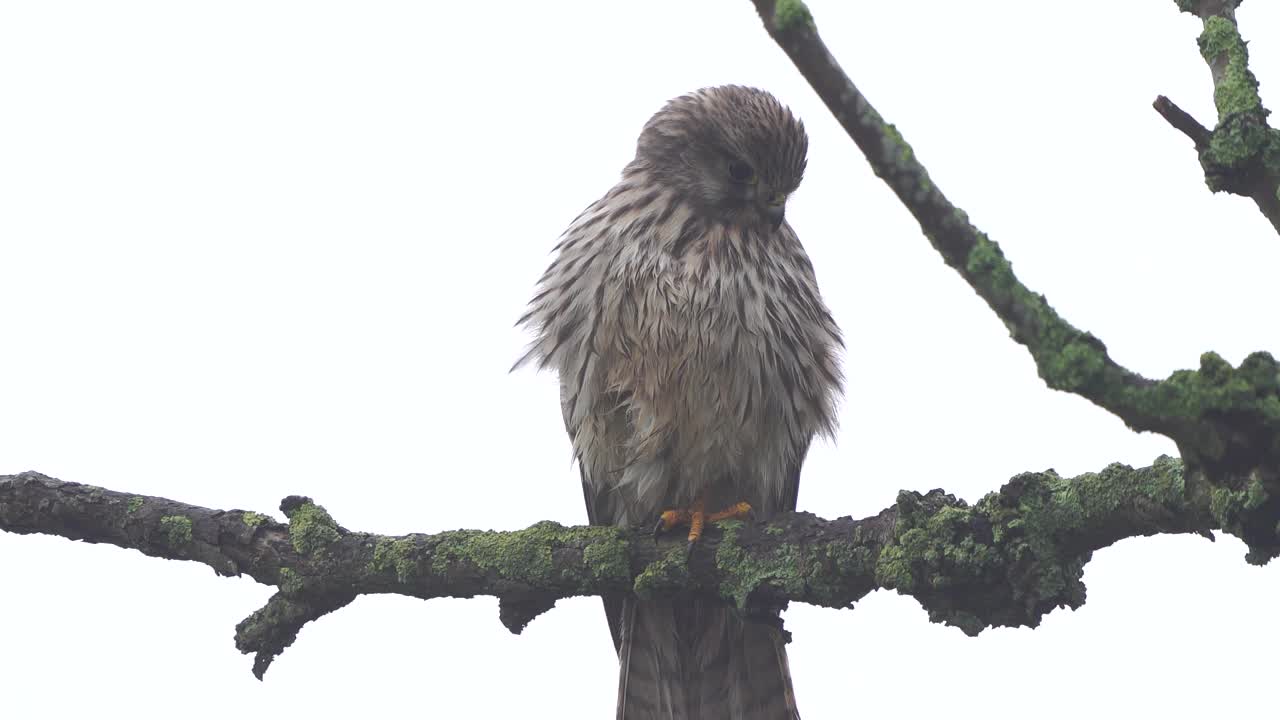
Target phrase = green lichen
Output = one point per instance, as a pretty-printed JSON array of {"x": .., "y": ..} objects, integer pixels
[
  {"x": 1225, "y": 505},
  {"x": 311, "y": 528},
  {"x": 827, "y": 564},
  {"x": 935, "y": 547},
  {"x": 1237, "y": 142},
  {"x": 176, "y": 530},
  {"x": 742, "y": 573},
  {"x": 893, "y": 568},
  {"x": 1077, "y": 365},
  {"x": 987, "y": 262},
  {"x": 253, "y": 519},
  {"x": 1050, "y": 507},
  {"x": 1241, "y": 137},
  {"x": 896, "y": 148},
  {"x": 1066, "y": 358},
  {"x": 527, "y": 555},
  {"x": 399, "y": 555},
  {"x": 1237, "y": 90},
  {"x": 1217, "y": 390},
  {"x": 1244, "y": 512},
  {"x": 1074, "y": 361},
  {"x": 608, "y": 560},
  {"x": 1014, "y": 555},
  {"x": 790, "y": 14},
  {"x": 924, "y": 186},
  {"x": 290, "y": 581},
  {"x": 135, "y": 503},
  {"x": 667, "y": 572}
]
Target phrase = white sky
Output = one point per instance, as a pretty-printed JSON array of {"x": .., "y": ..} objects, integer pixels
[{"x": 252, "y": 249}]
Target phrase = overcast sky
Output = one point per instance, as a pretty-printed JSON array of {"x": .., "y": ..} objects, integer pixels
[{"x": 253, "y": 249}]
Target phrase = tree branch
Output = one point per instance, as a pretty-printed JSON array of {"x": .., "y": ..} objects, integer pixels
[
  {"x": 1005, "y": 561},
  {"x": 1225, "y": 420},
  {"x": 1242, "y": 154},
  {"x": 1182, "y": 121}
]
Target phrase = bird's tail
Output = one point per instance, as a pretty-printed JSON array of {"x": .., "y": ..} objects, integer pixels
[{"x": 700, "y": 660}]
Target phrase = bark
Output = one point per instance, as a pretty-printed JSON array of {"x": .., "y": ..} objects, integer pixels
[
  {"x": 1242, "y": 153},
  {"x": 1006, "y": 560},
  {"x": 1225, "y": 420}
]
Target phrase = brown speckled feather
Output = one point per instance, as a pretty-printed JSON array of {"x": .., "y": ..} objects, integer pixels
[{"x": 696, "y": 357}]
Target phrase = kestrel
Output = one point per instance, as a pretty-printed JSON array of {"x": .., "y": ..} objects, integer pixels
[{"x": 697, "y": 360}]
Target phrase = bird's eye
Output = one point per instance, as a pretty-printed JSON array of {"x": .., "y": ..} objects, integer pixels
[{"x": 741, "y": 172}]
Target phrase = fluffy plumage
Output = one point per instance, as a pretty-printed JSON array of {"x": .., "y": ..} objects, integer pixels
[{"x": 696, "y": 357}]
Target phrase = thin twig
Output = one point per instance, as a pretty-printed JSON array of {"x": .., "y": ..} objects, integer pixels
[{"x": 1182, "y": 120}]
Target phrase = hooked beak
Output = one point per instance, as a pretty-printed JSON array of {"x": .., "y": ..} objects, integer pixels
[{"x": 775, "y": 208}]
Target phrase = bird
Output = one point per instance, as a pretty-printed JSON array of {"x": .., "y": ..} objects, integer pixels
[{"x": 697, "y": 362}]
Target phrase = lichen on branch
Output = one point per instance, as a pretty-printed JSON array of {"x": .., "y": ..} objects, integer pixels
[
  {"x": 1242, "y": 154},
  {"x": 1225, "y": 420},
  {"x": 1004, "y": 561}
]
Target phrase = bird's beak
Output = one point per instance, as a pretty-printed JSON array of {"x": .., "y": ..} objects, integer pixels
[{"x": 775, "y": 208}]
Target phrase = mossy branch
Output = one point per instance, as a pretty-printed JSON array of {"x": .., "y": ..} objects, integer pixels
[
  {"x": 1242, "y": 153},
  {"x": 1225, "y": 420},
  {"x": 1005, "y": 561}
]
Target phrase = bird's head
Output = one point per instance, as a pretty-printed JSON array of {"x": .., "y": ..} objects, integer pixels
[{"x": 734, "y": 153}]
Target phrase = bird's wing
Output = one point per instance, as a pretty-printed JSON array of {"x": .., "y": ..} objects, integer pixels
[
  {"x": 612, "y": 603},
  {"x": 791, "y": 485},
  {"x": 601, "y": 456}
]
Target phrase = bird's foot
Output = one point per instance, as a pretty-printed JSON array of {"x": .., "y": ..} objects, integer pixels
[{"x": 697, "y": 517}]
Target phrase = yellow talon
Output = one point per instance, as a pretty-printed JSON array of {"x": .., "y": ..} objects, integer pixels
[
  {"x": 737, "y": 511},
  {"x": 696, "y": 518},
  {"x": 672, "y": 518}
]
